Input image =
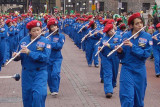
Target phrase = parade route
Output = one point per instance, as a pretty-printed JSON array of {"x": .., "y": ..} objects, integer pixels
[{"x": 80, "y": 85}]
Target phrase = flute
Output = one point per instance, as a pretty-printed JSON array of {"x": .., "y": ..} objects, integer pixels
[
  {"x": 29, "y": 45},
  {"x": 123, "y": 42},
  {"x": 87, "y": 35},
  {"x": 103, "y": 45}
]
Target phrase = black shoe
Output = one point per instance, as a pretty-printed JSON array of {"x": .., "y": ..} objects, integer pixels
[
  {"x": 97, "y": 66},
  {"x": 151, "y": 56},
  {"x": 108, "y": 95},
  {"x": 102, "y": 81},
  {"x": 157, "y": 75}
]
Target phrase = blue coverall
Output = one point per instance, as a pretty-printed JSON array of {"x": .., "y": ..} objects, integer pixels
[
  {"x": 133, "y": 79},
  {"x": 107, "y": 63},
  {"x": 55, "y": 61},
  {"x": 34, "y": 71},
  {"x": 156, "y": 53},
  {"x": 91, "y": 48}
]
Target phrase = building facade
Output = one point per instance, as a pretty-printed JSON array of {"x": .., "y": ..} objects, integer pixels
[{"x": 80, "y": 6}]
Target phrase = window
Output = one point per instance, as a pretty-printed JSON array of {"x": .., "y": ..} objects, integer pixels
[
  {"x": 124, "y": 7},
  {"x": 101, "y": 6},
  {"x": 145, "y": 6}
]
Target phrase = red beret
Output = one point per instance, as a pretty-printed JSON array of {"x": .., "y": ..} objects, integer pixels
[
  {"x": 86, "y": 19},
  {"x": 33, "y": 23},
  {"x": 8, "y": 21},
  {"x": 111, "y": 21},
  {"x": 132, "y": 17},
  {"x": 77, "y": 19},
  {"x": 23, "y": 15},
  {"x": 101, "y": 20},
  {"x": 119, "y": 19},
  {"x": 15, "y": 20},
  {"x": 82, "y": 19},
  {"x": 158, "y": 25},
  {"x": 105, "y": 21},
  {"x": 90, "y": 24},
  {"x": 107, "y": 28},
  {"x": 52, "y": 19},
  {"x": 7, "y": 16},
  {"x": 77, "y": 14},
  {"x": 51, "y": 22},
  {"x": 90, "y": 16},
  {"x": 122, "y": 25}
]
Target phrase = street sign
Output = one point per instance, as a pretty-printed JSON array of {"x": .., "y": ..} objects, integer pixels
[{"x": 93, "y": 7}]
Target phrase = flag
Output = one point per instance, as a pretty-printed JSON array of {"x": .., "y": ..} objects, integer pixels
[{"x": 30, "y": 7}]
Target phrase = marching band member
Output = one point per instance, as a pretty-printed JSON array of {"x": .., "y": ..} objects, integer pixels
[
  {"x": 91, "y": 48},
  {"x": 108, "y": 66},
  {"x": 156, "y": 50},
  {"x": 54, "y": 67},
  {"x": 34, "y": 66},
  {"x": 133, "y": 54},
  {"x": 11, "y": 38},
  {"x": 3, "y": 45}
]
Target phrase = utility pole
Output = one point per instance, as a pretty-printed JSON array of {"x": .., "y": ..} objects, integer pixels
[
  {"x": 64, "y": 6},
  {"x": 27, "y": 5}
]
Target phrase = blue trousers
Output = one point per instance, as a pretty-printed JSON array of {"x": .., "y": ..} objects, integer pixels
[
  {"x": 132, "y": 87},
  {"x": 107, "y": 74},
  {"x": 34, "y": 87},
  {"x": 156, "y": 54},
  {"x": 91, "y": 50},
  {"x": 54, "y": 70}
]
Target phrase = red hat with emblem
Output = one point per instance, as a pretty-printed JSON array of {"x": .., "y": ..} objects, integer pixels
[
  {"x": 91, "y": 23},
  {"x": 51, "y": 22},
  {"x": 8, "y": 21},
  {"x": 132, "y": 17},
  {"x": 158, "y": 25},
  {"x": 33, "y": 23},
  {"x": 107, "y": 28}
]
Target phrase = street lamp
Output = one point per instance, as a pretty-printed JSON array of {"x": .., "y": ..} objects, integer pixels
[
  {"x": 96, "y": 1},
  {"x": 84, "y": 4}
]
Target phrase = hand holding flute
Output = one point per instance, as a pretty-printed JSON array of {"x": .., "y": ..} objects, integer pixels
[{"x": 126, "y": 42}]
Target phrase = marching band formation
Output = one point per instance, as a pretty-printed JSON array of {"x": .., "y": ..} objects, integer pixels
[{"x": 38, "y": 45}]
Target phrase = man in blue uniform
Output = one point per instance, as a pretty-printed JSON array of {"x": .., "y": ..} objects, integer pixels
[
  {"x": 55, "y": 60},
  {"x": 34, "y": 66},
  {"x": 133, "y": 54}
]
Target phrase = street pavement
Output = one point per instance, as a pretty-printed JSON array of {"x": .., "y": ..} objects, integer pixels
[{"x": 80, "y": 85}]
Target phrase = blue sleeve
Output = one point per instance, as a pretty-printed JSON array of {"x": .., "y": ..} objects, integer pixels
[
  {"x": 41, "y": 56},
  {"x": 59, "y": 44}
]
